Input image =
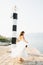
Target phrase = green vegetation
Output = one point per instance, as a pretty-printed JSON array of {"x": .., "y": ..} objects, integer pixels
[{"x": 4, "y": 39}]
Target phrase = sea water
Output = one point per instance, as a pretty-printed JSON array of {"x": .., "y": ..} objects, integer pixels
[{"x": 35, "y": 40}]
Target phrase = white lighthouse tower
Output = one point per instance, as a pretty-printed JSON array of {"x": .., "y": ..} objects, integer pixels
[
  {"x": 14, "y": 26},
  {"x": 14, "y": 29}
]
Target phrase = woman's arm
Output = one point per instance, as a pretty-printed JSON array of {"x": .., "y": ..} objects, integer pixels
[{"x": 25, "y": 40}]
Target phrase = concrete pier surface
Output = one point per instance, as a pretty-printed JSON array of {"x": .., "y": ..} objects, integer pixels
[{"x": 35, "y": 57}]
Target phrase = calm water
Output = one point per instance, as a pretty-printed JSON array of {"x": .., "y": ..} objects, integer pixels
[{"x": 36, "y": 40}]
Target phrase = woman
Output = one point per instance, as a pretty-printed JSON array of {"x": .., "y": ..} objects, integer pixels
[
  {"x": 19, "y": 51},
  {"x": 21, "y": 37}
]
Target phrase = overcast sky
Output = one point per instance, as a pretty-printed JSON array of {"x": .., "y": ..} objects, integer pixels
[{"x": 30, "y": 16}]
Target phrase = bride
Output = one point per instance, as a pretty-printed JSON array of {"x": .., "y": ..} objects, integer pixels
[{"x": 19, "y": 51}]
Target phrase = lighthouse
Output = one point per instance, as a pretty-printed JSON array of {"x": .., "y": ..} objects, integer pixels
[{"x": 14, "y": 26}]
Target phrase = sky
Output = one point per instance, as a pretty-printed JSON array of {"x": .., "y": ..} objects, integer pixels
[{"x": 30, "y": 16}]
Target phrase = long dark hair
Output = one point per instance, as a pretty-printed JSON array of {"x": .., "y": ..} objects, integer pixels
[{"x": 22, "y": 32}]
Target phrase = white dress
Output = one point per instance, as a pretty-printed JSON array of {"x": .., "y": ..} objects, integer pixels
[{"x": 19, "y": 50}]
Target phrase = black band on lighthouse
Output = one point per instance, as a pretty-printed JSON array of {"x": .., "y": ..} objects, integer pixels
[
  {"x": 13, "y": 40},
  {"x": 14, "y": 15},
  {"x": 14, "y": 27}
]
